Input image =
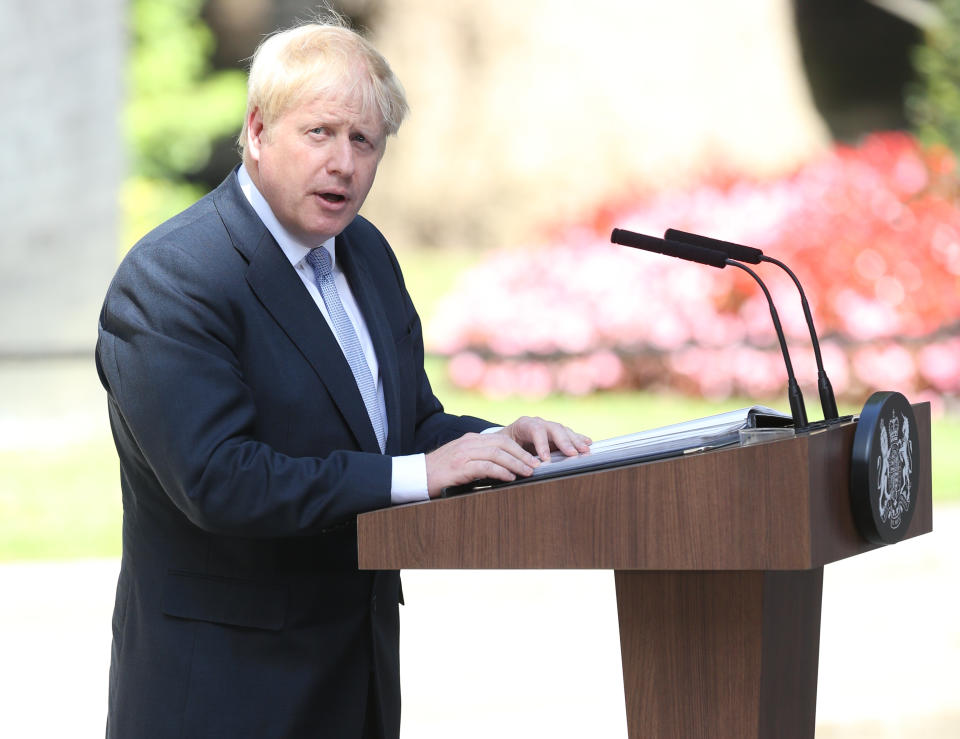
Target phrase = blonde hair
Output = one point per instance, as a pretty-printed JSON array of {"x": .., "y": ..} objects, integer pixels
[{"x": 318, "y": 57}]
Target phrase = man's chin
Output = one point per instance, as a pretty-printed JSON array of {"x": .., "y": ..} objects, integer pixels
[{"x": 326, "y": 228}]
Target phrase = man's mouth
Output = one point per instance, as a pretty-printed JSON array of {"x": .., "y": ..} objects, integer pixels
[{"x": 332, "y": 197}]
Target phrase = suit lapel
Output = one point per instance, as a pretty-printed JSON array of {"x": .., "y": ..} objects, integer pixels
[
  {"x": 352, "y": 259},
  {"x": 279, "y": 288}
]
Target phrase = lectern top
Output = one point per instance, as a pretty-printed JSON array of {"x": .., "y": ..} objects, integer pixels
[{"x": 777, "y": 506}]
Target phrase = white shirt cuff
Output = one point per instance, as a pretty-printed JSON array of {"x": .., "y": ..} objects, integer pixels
[{"x": 409, "y": 481}]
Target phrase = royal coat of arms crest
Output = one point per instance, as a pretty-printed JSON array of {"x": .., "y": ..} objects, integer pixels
[
  {"x": 894, "y": 465},
  {"x": 883, "y": 469}
]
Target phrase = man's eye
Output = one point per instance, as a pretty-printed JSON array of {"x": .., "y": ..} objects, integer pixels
[
  {"x": 360, "y": 138},
  {"x": 318, "y": 130}
]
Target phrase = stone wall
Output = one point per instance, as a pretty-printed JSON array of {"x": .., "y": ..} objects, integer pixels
[{"x": 60, "y": 170}]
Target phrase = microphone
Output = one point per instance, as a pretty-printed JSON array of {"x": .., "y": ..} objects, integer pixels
[
  {"x": 754, "y": 256},
  {"x": 735, "y": 251},
  {"x": 717, "y": 258},
  {"x": 692, "y": 253}
]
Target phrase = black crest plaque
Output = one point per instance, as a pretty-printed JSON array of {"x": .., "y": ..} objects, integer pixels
[{"x": 884, "y": 476}]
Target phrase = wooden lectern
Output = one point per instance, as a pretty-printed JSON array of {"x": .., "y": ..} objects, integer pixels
[{"x": 718, "y": 561}]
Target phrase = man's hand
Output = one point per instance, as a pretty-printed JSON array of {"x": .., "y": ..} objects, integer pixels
[
  {"x": 500, "y": 455},
  {"x": 539, "y": 436}
]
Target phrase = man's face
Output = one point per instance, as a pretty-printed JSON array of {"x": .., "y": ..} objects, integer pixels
[{"x": 316, "y": 162}]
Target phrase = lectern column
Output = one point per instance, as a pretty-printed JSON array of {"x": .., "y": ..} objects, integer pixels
[{"x": 720, "y": 654}]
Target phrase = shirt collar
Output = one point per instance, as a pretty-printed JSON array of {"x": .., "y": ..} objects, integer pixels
[{"x": 295, "y": 250}]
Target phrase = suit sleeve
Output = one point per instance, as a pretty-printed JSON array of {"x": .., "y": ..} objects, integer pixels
[{"x": 184, "y": 418}]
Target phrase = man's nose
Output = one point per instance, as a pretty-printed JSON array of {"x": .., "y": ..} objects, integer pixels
[{"x": 341, "y": 161}]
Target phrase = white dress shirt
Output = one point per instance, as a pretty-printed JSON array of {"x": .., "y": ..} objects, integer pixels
[{"x": 409, "y": 475}]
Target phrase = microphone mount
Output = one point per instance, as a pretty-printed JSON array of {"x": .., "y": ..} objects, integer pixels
[
  {"x": 705, "y": 254},
  {"x": 797, "y": 408},
  {"x": 751, "y": 255}
]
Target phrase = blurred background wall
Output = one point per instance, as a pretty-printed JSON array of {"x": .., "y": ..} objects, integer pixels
[{"x": 61, "y": 166}]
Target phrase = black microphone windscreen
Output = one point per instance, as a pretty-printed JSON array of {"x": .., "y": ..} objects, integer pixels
[
  {"x": 711, "y": 257},
  {"x": 735, "y": 251}
]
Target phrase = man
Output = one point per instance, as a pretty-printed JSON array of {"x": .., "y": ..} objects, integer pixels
[{"x": 264, "y": 371}]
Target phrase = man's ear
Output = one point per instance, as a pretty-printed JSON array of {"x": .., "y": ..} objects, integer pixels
[{"x": 255, "y": 133}]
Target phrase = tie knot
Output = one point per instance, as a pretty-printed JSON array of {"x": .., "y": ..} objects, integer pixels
[{"x": 320, "y": 260}]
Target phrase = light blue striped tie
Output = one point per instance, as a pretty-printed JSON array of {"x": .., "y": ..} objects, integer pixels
[{"x": 319, "y": 259}]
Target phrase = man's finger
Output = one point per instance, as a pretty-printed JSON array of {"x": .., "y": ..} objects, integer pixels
[
  {"x": 564, "y": 442},
  {"x": 513, "y": 463},
  {"x": 569, "y": 442},
  {"x": 541, "y": 442},
  {"x": 500, "y": 450},
  {"x": 510, "y": 446}
]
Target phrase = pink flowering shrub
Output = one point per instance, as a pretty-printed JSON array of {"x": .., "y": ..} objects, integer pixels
[{"x": 873, "y": 233}]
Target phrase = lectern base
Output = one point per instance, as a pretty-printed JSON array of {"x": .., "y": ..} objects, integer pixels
[{"x": 720, "y": 654}]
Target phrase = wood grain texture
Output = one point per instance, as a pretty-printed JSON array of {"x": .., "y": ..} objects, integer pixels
[
  {"x": 719, "y": 559},
  {"x": 691, "y": 652},
  {"x": 720, "y": 654},
  {"x": 777, "y": 506},
  {"x": 790, "y": 654}
]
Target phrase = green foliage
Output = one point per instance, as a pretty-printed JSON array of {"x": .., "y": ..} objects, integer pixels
[
  {"x": 933, "y": 104},
  {"x": 177, "y": 108},
  {"x": 147, "y": 201}
]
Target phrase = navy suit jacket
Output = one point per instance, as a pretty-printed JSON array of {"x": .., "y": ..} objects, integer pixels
[{"x": 245, "y": 455}]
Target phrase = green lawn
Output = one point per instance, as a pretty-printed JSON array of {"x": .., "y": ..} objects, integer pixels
[{"x": 64, "y": 503}]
